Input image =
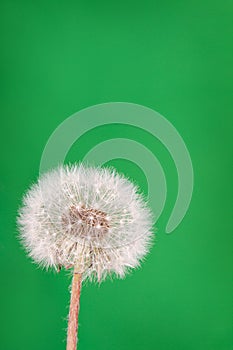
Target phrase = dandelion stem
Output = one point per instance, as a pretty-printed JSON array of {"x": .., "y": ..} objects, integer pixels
[{"x": 72, "y": 334}]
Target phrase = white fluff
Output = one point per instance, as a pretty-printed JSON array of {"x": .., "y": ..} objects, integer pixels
[{"x": 90, "y": 218}]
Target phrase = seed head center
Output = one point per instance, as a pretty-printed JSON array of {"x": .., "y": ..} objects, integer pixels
[{"x": 92, "y": 217}]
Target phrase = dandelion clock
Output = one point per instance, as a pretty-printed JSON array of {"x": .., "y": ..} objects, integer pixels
[{"x": 91, "y": 220}]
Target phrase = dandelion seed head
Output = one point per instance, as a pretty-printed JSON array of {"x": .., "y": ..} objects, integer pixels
[{"x": 89, "y": 217}]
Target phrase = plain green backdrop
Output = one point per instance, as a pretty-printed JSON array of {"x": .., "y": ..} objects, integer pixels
[{"x": 175, "y": 56}]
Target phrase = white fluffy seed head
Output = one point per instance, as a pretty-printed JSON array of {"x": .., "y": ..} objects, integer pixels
[{"x": 90, "y": 218}]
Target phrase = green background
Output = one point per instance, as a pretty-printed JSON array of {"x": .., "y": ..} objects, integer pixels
[{"x": 172, "y": 56}]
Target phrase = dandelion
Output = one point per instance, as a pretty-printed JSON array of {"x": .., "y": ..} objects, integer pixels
[{"x": 92, "y": 220}]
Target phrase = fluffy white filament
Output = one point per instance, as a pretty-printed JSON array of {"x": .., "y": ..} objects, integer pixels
[{"x": 91, "y": 218}]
